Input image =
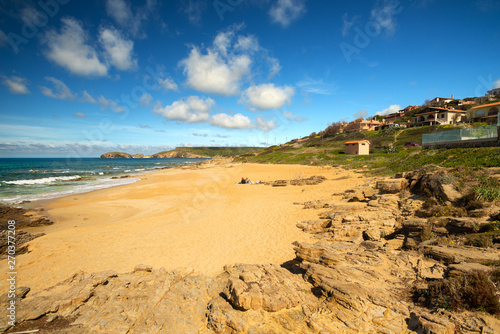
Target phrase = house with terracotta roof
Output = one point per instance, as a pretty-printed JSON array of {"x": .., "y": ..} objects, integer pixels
[
  {"x": 358, "y": 147},
  {"x": 360, "y": 124},
  {"x": 439, "y": 100},
  {"x": 437, "y": 115},
  {"x": 487, "y": 113}
]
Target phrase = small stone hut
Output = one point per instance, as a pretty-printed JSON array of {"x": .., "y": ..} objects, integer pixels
[{"x": 358, "y": 147}]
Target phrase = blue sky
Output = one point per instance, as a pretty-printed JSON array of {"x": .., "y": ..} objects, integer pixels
[{"x": 80, "y": 78}]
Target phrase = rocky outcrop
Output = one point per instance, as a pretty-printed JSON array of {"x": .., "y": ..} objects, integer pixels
[{"x": 116, "y": 155}]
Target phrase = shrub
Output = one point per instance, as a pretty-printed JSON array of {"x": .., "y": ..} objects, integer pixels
[
  {"x": 473, "y": 291},
  {"x": 487, "y": 190}
]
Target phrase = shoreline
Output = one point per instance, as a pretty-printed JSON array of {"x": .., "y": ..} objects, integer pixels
[{"x": 194, "y": 216}]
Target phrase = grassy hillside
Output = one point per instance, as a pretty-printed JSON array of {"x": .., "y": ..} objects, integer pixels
[
  {"x": 387, "y": 153},
  {"x": 216, "y": 151}
]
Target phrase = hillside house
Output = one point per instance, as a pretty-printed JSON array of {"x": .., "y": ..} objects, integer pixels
[
  {"x": 436, "y": 115},
  {"x": 360, "y": 124},
  {"x": 391, "y": 118},
  {"x": 439, "y": 101},
  {"x": 357, "y": 147},
  {"x": 487, "y": 113}
]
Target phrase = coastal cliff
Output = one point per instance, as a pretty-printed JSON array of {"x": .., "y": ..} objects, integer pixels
[{"x": 116, "y": 155}]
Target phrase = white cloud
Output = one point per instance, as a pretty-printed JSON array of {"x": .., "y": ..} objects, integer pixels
[
  {"x": 129, "y": 19},
  {"x": 108, "y": 103},
  {"x": 119, "y": 51},
  {"x": 70, "y": 49},
  {"x": 87, "y": 98},
  {"x": 211, "y": 73},
  {"x": 226, "y": 121},
  {"x": 168, "y": 84},
  {"x": 79, "y": 115},
  {"x": 274, "y": 65},
  {"x": 60, "y": 91},
  {"x": 247, "y": 43},
  {"x": 284, "y": 12},
  {"x": 264, "y": 125},
  {"x": 392, "y": 109},
  {"x": 497, "y": 84},
  {"x": 293, "y": 118},
  {"x": 16, "y": 85},
  {"x": 267, "y": 96},
  {"x": 146, "y": 99},
  {"x": 192, "y": 110},
  {"x": 3, "y": 38},
  {"x": 383, "y": 13}
]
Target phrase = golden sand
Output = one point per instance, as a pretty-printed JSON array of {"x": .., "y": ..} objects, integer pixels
[{"x": 173, "y": 218}]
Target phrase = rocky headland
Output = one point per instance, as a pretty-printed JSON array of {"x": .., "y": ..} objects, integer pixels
[{"x": 381, "y": 251}]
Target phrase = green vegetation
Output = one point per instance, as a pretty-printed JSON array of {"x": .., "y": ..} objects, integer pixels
[
  {"x": 487, "y": 190},
  {"x": 387, "y": 152},
  {"x": 473, "y": 291},
  {"x": 217, "y": 151}
]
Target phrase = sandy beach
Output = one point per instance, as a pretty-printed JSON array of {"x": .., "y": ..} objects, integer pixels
[{"x": 191, "y": 217}]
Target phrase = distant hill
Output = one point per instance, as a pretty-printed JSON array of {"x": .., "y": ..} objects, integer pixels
[
  {"x": 116, "y": 155},
  {"x": 189, "y": 152}
]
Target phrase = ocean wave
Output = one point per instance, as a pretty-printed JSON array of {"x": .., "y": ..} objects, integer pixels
[{"x": 45, "y": 180}]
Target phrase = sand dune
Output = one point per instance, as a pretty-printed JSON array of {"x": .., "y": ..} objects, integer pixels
[{"x": 174, "y": 218}]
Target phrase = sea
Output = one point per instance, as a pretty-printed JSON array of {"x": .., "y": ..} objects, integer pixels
[{"x": 32, "y": 179}]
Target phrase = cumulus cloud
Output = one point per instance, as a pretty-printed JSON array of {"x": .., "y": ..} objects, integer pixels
[
  {"x": 118, "y": 50},
  {"x": 79, "y": 115},
  {"x": 497, "y": 84},
  {"x": 221, "y": 68},
  {"x": 293, "y": 118},
  {"x": 168, "y": 84},
  {"x": 226, "y": 121},
  {"x": 16, "y": 85},
  {"x": 392, "y": 109},
  {"x": 129, "y": 19},
  {"x": 284, "y": 12},
  {"x": 267, "y": 97},
  {"x": 264, "y": 125},
  {"x": 60, "y": 90},
  {"x": 192, "y": 110},
  {"x": 71, "y": 50},
  {"x": 214, "y": 73}
]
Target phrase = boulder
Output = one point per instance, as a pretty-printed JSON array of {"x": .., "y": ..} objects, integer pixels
[{"x": 391, "y": 186}]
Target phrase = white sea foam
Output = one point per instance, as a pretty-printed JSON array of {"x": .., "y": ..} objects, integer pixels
[
  {"x": 44, "y": 180},
  {"x": 102, "y": 184}
]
